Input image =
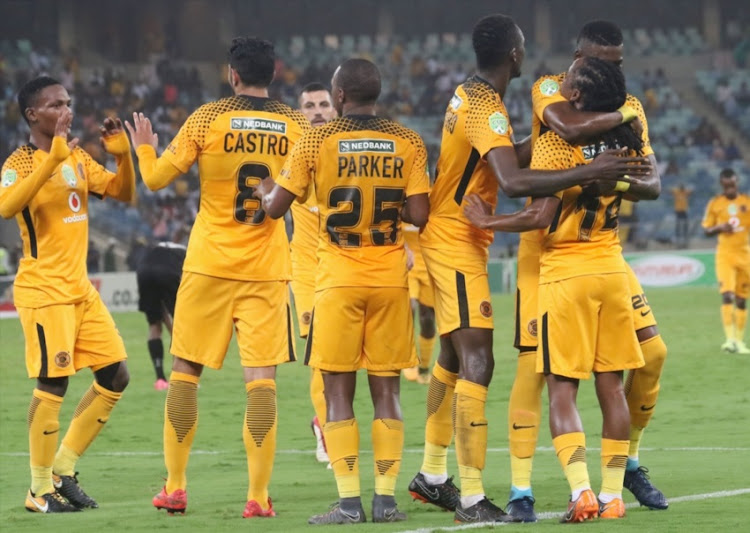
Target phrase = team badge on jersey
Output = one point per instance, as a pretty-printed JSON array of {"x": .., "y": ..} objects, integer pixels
[
  {"x": 9, "y": 177},
  {"x": 531, "y": 327},
  {"x": 732, "y": 209},
  {"x": 499, "y": 123},
  {"x": 69, "y": 175},
  {"x": 74, "y": 202},
  {"x": 549, "y": 87},
  {"x": 306, "y": 317},
  {"x": 456, "y": 102}
]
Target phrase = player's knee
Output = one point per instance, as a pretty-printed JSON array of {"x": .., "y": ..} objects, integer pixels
[
  {"x": 56, "y": 386},
  {"x": 427, "y": 321},
  {"x": 727, "y": 297},
  {"x": 740, "y": 303},
  {"x": 114, "y": 377}
]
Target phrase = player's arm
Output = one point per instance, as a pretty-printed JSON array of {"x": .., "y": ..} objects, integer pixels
[
  {"x": 537, "y": 215},
  {"x": 416, "y": 209},
  {"x": 157, "y": 172},
  {"x": 610, "y": 165},
  {"x": 710, "y": 224},
  {"x": 523, "y": 152},
  {"x": 115, "y": 142},
  {"x": 577, "y": 126},
  {"x": 16, "y": 194},
  {"x": 294, "y": 180}
]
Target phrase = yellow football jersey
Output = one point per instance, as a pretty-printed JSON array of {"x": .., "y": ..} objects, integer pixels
[
  {"x": 237, "y": 141},
  {"x": 54, "y": 226},
  {"x": 721, "y": 210},
  {"x": 582, "y": 238},
  {"x": 304, "y": 241},
  {"x": 361, "y": 168},
  {"x": 475, "y": 122}
]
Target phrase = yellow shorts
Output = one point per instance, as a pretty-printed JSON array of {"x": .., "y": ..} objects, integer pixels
[
  {"x": 733, "y": 273},
  {"x": 420, "y": 286},
  {"x": 62, "y": 339},
  {"x": 527, "y": 300},
  {"x": 361, "y": 327},
  {"x": 208, "y": 308},
  {"x": 643, "y": 316},
  {"x": 586, "y": 324},
  {"x": 304, "y": 294},
  {"x": 462, "y": 290}
]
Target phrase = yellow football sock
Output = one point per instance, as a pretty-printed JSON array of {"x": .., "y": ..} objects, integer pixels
[
  {"x": 439, "y": 425},
  {"x": 259, "y": 435},
  {"x": 342, "y": 440},
  {"x": 317, "y": 396},
  {"x": 89, "y": 418},
  {"x": 727, "y": 320},
  {"x": 740, "y": 320},
  {"x": 471, "y": 435},
  {"x": 524, "y": 414},
  {"x": 571, "y": 452},
  {"x": 642, "y": 385},
  {"x": 387, "y": 447},
  {"x": 44, "y": 425},
  {"x": 614, "y": 460},
  {"x": 635, "y": 441},
  {"x": 425, "y": 351},
  {"x": 180, "y": 423}
]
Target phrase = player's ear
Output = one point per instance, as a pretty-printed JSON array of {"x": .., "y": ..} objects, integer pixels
[{"x": 30, "y": 114}]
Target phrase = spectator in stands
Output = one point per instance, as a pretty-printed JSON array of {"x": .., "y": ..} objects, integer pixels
[
  {"x": 110, "y": 262},
  {"x": 718, "y": 153},
  {"x": 743, "y": 95},
  {"x": 732, "y": 152},
  {"x": 681, "y": 196}
]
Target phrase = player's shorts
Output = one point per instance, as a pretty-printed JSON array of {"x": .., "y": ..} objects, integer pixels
[
  {"x": 643, "y": 316},
  {"x": 361, "y": 327},
  {"x": 62, "y": 339},
  {"x": 420, "y": 286},
  {"x": 304, "y": 294},
  {"x": 733, "y": 274},
  {"x": 156, "y": 288},
  {"x": 527, "y": 300},
  {"x": 586, "y": 324},
  {"x": 209, "y": 308},
  {"x": 462, "y": 290}
]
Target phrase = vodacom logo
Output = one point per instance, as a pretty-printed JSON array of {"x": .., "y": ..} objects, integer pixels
[{"x": 74, "y": 202}]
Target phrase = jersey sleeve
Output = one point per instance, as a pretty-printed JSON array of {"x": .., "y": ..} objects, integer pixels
[
  {"x": 419, "y": 179},
  {"x": 19, "y": 165},
  {"x": 545, "y": 91},
  {"x": 299, "y": 167},
  {"x": 709, "y": 217},
  {"x": 487, "y": 123},
  {"x": 97, "y": 176},
  {"x": 183, "y": 151},
  {"x": 633, "y": 102}
]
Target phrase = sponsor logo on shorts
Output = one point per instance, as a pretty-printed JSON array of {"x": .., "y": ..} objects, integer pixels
[
  {"x": 306, "y": 318},
  {"x": 531, "y": 327},
  {"x": 74, "y": 202},
  {"x": 62, "y": 359},
  {"x": 486, "y": 309}
]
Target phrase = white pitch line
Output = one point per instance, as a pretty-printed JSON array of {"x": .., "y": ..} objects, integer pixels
[
  {"x": 148, "y": 453},
  {"x": 551, "y": 516}
]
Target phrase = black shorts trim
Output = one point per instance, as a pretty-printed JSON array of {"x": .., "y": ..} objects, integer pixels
[
  {"x": 308, "y": 344},
  {"x": 32, "y": 233},
  {"x": 517, "y": 337},
  {"x": 43, "y": 350},
  {"x": 290, "y": 333},
  {"x": 471, "y": 165},
  {"x": 463, "y": 301},
  {"x": 526, "y": 349},
  {"x": 545, "y": 346}
]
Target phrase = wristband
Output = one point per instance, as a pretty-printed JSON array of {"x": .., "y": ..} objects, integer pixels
[
  {"x": 622, "y": 186},
  {"x": 628, "y": 113}
]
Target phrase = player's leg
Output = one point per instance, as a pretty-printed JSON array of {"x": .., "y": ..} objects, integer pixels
[
  {"x": 156, "y": 351},
  {"x": 205, "y": 304},
  {"x": 150, "y": 303},
  {"x": 727, "y": 277},
  {"x": 317, "y": 396},
  {"x": 49, "y": 333},
  {"x": 265, "y": 337},
  {"x": 99, "y": 347},
  {"x": 741, "y": 292},
  {"x": 411, "y": 374},
  {"x": 426, "y": 339},
  {"x": 337, "y": 352}
]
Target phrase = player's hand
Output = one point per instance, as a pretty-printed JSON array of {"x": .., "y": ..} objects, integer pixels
[
  {"x": 615, "y": 164},
  {"x": 263, "y": 188},
  {"x": 409, "y": 258},
  {"x": 637, "y": 127},
  {"x": 477, "y": 211},
  {"x": 113, "y": 139},
  {"x": 141, "y": 132},
  {"x": 62, "y": 128},
  {"x": 726, "y": 227}
]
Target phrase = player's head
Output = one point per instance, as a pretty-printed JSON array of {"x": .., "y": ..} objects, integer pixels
[
  {"x": 601, "y": 39},
  {"x": 593, "y": 84},
  {"x": 316, "y": 104},
  {"x": 498, "y": 41},
  {"x": 729, "y": 183},
  {"x": 252, "y": 62},
  {"x": 356, "y": 82},
  {"x": 41, "y": 102}
]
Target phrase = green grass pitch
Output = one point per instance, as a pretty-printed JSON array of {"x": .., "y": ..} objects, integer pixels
[{"x": 698, "y": 443}]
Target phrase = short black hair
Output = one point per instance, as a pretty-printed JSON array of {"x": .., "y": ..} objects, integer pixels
[
  {"x": 602, "y": 86},
  {"x": 254, "y": 60},
  {"x": 601, "y": 32},
  {"x": 31, "y": 89},
  {"x": 360, "y": 80},
  {"x": 493, "y": 37},
  {"x": 727, "y": 173},
  {"x": 314, "y": 86}
]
